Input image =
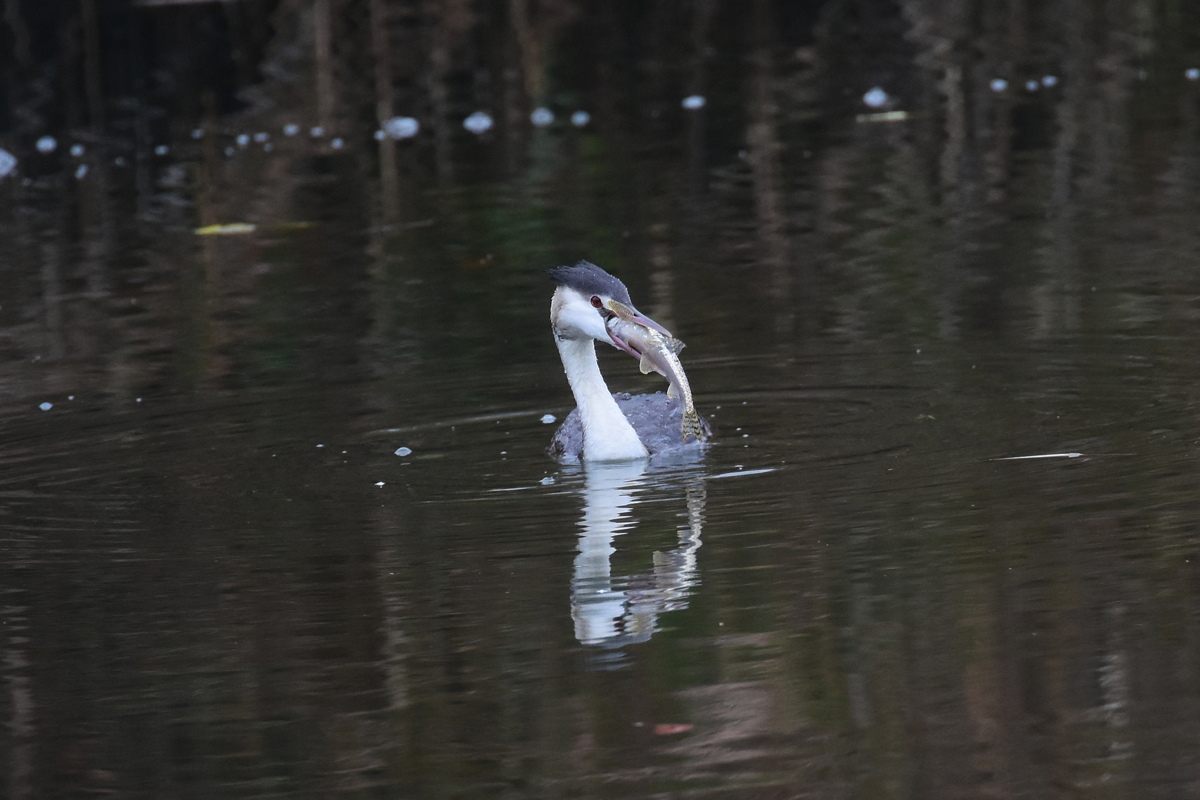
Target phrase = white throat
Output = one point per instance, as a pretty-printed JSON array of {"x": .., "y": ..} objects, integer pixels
[{"x": 607, "y": 434}]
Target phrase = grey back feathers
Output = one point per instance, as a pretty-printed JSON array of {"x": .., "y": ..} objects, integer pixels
[{"x": 588, "y": 279}]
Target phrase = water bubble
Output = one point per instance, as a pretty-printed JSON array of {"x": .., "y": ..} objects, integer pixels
[
  {"x": 47, "y": 144},
  {"x": 337, "y": 143},
  {"x": 81, "y": 171},
  {"x": 268, "y": 147},
  {"x": 401, "y": 127},
  {"x": 119, "y": 161},
  {"x": 1193, "y": 74},
  {"x": 875, "y": 98},
  {"x": 1049, "y": 81},
  {"x": 998, "y": 84},
  {"x": 404, "y": 451},
  {"x": 8, "y": 162},
  {"x": 197, "y": 133},
  {"x": 380, "y": 136},
  {"x": 694, "y": 102},
  {"x": 243, "y": 139},
  {"x": 161, "y": 150},
  {"x": 548, "y": 418},
  {"x": 261, "y": 136},
  {"x": 478, "y": 123},
  {"x": 291, "y": 129},
  {"x": 580, "y": 118},
  {"x": 541, "y": 117},
  {"x": 46, "y": 406},
  {"x": 229, "y": 151},
  {"x": 1032, "y": 85},
  {"x": 316, "y": 132},
  {"x": 77, "y": 150},
  {"x": 547, "y": 481}
]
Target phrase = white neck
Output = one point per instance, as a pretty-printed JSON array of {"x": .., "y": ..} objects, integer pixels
[{"x": 607, "y": 435}]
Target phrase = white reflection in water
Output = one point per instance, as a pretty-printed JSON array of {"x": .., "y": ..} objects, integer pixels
[{"x": 615, "y": 610}]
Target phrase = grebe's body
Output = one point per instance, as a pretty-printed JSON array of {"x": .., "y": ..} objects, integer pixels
[{"x": 604, "y": 427}]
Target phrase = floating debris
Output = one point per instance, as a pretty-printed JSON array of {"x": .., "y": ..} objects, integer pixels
[
  {"x": 998, "y": 84},
  {"x": 541, "y": 117},
  {"x": 77, "y": 150},
  {"x": 548, "y": 418},
  {"x": 401, "y": 127},
  {"x": 46, "y": 406},
  {"x": 547, "y": 481},
  {"x": 230, "y": 229},
  {"x": 404, "y": 451},
  {"x": 47, "y": 144},
  {"x": 876, "y": 97},
  {"x": 478, "y": 123},
  {"x": 291, "y": 129},
  {"x": 580, "y": 119},
  {"x": 81, "y": 171},
  {"x": 883, "y": 116},
  {"x": 8, "y": 163},
  {"x": 1049, "y": 81},
  {"x": 694, "y": 102}
]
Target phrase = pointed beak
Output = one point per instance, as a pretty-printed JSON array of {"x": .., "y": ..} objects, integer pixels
[{"x": 632, "y": 315}]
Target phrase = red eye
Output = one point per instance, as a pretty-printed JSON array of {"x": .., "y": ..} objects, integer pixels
[{"x": 596, "y": 302}]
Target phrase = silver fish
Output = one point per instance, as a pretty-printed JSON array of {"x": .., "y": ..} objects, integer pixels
[{"x": 659, "y": 353}]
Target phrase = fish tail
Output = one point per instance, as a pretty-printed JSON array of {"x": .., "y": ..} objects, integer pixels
[{"x": 692, "y": 426}]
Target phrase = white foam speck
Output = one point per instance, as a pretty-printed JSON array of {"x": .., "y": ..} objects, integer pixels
[
  {"x": 8, "y": 162},
  {"x": 876, "y": 97},
  {"x": 548, "y": 418},
  {"x": 401, "y": 127},
  {"x": 998, "y": 84},
  {"x": 81, "y": 171},
  {"x": 404, "y": 451},
  {"x": 380, "y": 483},
  {"x": 77, "y": 150},
  {"x": 46, "y": 406},
  {"x": 47, "y": 144},
  {"x": 694, "y": 102},
  {"x": 291, "y": 129},
  {"x": 580, "y": 118},
  {"x": 478, "y": 122},
  {"x": 547, "y": 481},
  {"x": 1049, "y": 81},
  {"x": 541, "y": 117}
]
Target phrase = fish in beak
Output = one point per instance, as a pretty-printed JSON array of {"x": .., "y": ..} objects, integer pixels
[{"x": 633, "y": 316}]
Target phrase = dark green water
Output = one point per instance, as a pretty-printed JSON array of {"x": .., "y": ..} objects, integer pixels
[{"x": 221, "y": 580}]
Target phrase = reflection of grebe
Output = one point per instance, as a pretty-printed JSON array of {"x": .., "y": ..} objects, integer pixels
[
  {"x": 615, "y": 610},
  {"x": 604, "y": 427}
]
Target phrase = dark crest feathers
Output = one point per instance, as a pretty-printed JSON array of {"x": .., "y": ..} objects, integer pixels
[{"x": 586, "y": 278}]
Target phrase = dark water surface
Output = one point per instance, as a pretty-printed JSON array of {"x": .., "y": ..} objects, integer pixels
[{"x": 275, "y": 513}]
